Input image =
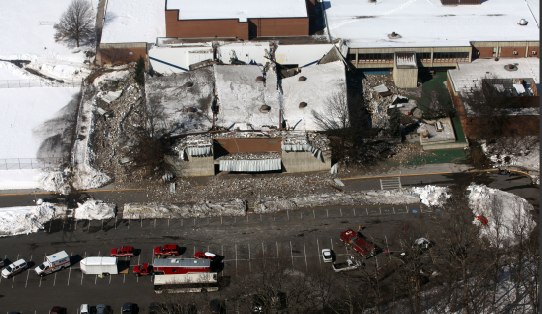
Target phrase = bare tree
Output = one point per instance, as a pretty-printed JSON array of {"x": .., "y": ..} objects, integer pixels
[
  {"x": 76, "y": 24},
  {"x": 336, "y": 114}
]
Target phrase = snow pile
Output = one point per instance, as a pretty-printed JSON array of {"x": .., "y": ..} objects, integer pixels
[
  {"x": 275, "y": 204},
  {"x": 55, "y": 181},
  {"x": 95, "y": 210},
  {"x": 15, "y": 179},
  {"x": 521, "y": 152},
  {"x": 28, "y": 219},
  {"x": 118, "y": 74},
  {"x": 85, "y": 175},
  {"x": 432, "y": 195},
  {"x": 508, "y": 215},
  {"x": 234, "y": 207}
]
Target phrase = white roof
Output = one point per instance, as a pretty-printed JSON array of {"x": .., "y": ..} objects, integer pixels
[
  {"x": 467, "y": 75},
  {"x": 99, "y": 260},
  {"x": 323, "y": 82},
  {"x": 237, "y": 9},
  {"x": 301, "y": 54},
  {"x": 240, "y": 96},
  {"x": 129, "y": 21},
  {"x": 429, "y": 23}
]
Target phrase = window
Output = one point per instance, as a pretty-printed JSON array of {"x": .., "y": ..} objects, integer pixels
[
  {"x": 450, "y": 56},
  {"x": 423, "y": 55},
  {"x": 376, "y": 57}
]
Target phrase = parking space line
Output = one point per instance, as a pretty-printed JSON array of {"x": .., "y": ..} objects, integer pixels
[
  {"x": 41, "y": 277},
  {"x": 95, "y": 279},
  {"x": 168, "y": 221},
  {"x": 291, "y": 253},
  {"x": 102, "y": 224},
  {"x": 154, "y": 223},
  {"x": 129, "y": 223},
  {"x": 88, "y": 229},
  {"x": 69, "y": 275},
  {"x": 115, "y": 222},
  {"x": 235, "y": 219},
  {"x": 236, "y": 258},
  {"x": 194, "y": 221},
  {"x": 82, "y": 278},
  {"x": 182, "y": 222},
  {"x": 318, "y": 251},
  {"x": 261, "y": 218},
  {"x": 354, "y": 210},
  {"x": 341, "y": 211},
  {"x": 331, "y": 240},
  {"x": 327, "y": 213},
  {"x": 367, "y": 211},
  {"x": 27, "y": 273},
  {"x": 54, "y": 280},
  {"x": 313, "y": 214},
  {"x": 305, "y": 254},
  {"x": 393, "y": 207},
  {"x": 110, "y": 279},
  {"x": 277, "y": 246},
  {"x": 246, "y": 218},
  {"x": 249, "y": 265},
  {"x": 288, "y": 214},
  {"x": 301, "y": 215},
  {"x": 141, "y": 222}
]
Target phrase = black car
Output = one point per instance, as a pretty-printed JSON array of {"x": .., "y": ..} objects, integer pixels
[{"x": 129, "y": 308}]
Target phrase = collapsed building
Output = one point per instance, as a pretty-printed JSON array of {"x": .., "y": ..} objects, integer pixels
[{"x": 246, "y": 118}]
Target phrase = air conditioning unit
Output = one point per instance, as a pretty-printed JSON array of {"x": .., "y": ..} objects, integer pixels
[{"x": 514, "y": 53}]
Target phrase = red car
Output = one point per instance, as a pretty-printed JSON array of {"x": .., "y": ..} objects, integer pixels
[
  {"x": 123, "y": 251},
  {"x": 167, "y": 250},
  {"x": 142, "y": 270},
  {"x": 359, "y": 243},
  {"x": 207, "y": 255}
]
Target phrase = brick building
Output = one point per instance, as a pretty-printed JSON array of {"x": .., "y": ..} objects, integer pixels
[{"x": 243, "y": 19}]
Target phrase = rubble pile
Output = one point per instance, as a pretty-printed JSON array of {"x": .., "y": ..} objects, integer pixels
[{"x": 232, "y": 207}]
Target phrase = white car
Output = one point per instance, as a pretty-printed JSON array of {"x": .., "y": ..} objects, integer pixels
[
  {"x": 327, "y": 255},
  {"x": 14, "y": 268}
]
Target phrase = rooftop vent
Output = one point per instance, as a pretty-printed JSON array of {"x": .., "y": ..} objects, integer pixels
[
  {"x": 523, "y": 22},
  {"x": 265, "y": 109},
  {"x": 302, "y": 105},
  {"x": 394, "y": 35},
  {"x": 302, "y": 78},
  {"x": 511, "y": 67}
]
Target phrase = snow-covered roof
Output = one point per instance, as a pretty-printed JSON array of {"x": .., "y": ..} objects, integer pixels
[
  {"x": 429, "y": 23},
  {"x": 241, "y": 96},
  {"x": 467, "y": 75},
  {"x": 237, "y": 9},
  {"x": 128, "y": 21},
  {"x": 168, "y": 60},
  {"x": 301, "y": 54},
  {"x": 244, "y": 51},
  {"x": 323, "y": 82}
]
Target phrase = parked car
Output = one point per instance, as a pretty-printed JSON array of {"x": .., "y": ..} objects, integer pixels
[
  {"x": 126, "y": 250},
  {"x": 129, "y": 308},
  {"x": 58, "y": 310},
  {"x": 14, "y": 268},
  {"x": 102, "y": 309},
  {"x": 167, "y": 250},
  {"x": 327, "y": 255},
  {"x": 84, "y": 309},
  {"x": 207, "y": 255}
]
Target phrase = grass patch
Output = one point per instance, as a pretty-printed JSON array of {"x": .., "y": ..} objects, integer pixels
[{"x": 456, "y": 156}]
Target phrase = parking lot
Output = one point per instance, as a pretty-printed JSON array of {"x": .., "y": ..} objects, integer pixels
[{"x": 293, "y": 237}]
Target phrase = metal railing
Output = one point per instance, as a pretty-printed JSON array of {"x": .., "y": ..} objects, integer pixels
[
  {"x": 37, "y": 83},
  {"x": 30, "y": 163}
]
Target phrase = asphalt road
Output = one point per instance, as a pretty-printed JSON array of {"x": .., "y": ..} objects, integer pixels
[{"x": 293, "y": 237}]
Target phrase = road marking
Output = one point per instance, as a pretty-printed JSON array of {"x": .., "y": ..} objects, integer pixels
[
  {"x": 182, "y": 222},
  {"x": 313, "y": 214},
  {"x": 54, "y": 280},
  {"x": 141, "y": 222},
  {"x": 129, "y": 223},
  {"x": 380, "y": 209},
  {"x": 194, "y": 221},
  {"x": 354, "y": 209},
  {"x": 235, "y": 219},
  {"x": 236, "y": 258},
  {"x": 88, "y": 229},
  {"x": 277, "y": 246},
  {"x": 69, "y": 275},
  {"x": 82, "y": 278},
  {"x": 305, "y": 254},
  {"x": 288, "y": 214},
  {"x": 115, "y": 222},
  {"x": 341, "y": 210},
  {"x": 154, "y": 223},
  {"x": 367, "y": 211},
  {"x": 393, "y": 207},
  {"x": 246, "y": 215},
  {"x": 41, "y": 277},
  {"x": 260, "y": 217},
  {"x": 291, "y": 253},
  {"x": 27, "y": 273},
  {"x": 387, "y": 246},
  {"x": 318, "y": 251},
  {"x": 170, "y": 218},
  {"x": 327, "y": 213},
  {"x": 110, "y": 279},
  {"x": 249, "y": 264},
  {"x": 301, "y": 215},
  {"x": 331, "y": 240},
  {"x": 95, "y": 279}
]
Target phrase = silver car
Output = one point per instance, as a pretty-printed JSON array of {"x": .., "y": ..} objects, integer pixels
[{"x": 14, "y": 268}]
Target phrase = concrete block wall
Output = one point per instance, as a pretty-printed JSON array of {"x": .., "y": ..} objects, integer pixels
[{"x": 304, "y": 162}]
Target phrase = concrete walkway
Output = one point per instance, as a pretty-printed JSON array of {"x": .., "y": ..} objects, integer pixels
[{"x": 428, "y": 169}]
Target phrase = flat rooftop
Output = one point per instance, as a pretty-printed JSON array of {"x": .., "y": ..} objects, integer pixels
[
  {"x": 237, "y": 9},
  {"x": 128, "y": 21},
  {"x": 428, "y": 23},
  {"x": 468, "y": 75}
]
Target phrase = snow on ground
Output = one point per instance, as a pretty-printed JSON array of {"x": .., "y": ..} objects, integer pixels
[
  {"x": 28, "y": 219},
  {"x": 428, "y": 22},
  {"x": 11, "y": 72},
  {"x": 129, "y": 21},
  {"x": 18, "y": 179},
  {"x": 234, "y": 207},
  {"x": 520, "y": 152},
  {"x": 432, "y": 195},
  {"x": 55, "y": 181},
  {"x": 95, "y": 210},
  {"x": 85, "y": 176},
  {"x": 508, "y": 215}
]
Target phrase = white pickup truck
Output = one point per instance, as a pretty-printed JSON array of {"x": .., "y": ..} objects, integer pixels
[{"x": 350, "y": 264}]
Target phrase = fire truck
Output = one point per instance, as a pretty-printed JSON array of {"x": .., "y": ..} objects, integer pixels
[
  {"x": 359, "y": 243},
  {"x": 179, "y": 265}
]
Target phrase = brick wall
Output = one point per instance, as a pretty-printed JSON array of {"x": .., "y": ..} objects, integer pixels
[{"x": 203, "y": 28}]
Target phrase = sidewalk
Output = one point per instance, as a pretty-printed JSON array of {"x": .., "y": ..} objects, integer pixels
[{"x": 415, "y": 170}]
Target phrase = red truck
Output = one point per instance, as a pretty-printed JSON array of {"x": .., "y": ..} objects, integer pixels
[
  {"x": 359, "y": 243},
  {"x": 167, "y": 250},
  {"x": 179, "y": 265},
  {"x": 123, "y": 251},
  {"x": 142, "y": 269}
]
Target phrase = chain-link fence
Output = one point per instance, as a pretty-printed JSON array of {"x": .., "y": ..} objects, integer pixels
[
  {"x": 30, "y": 163},
  {"x": 37, "y": 83}
]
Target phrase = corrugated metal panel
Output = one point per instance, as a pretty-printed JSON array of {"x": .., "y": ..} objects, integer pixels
[
  {"x": 303, "y": 148},
  {"x": 199, "y": 151},
  {"x": 257, "y": 165}
]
